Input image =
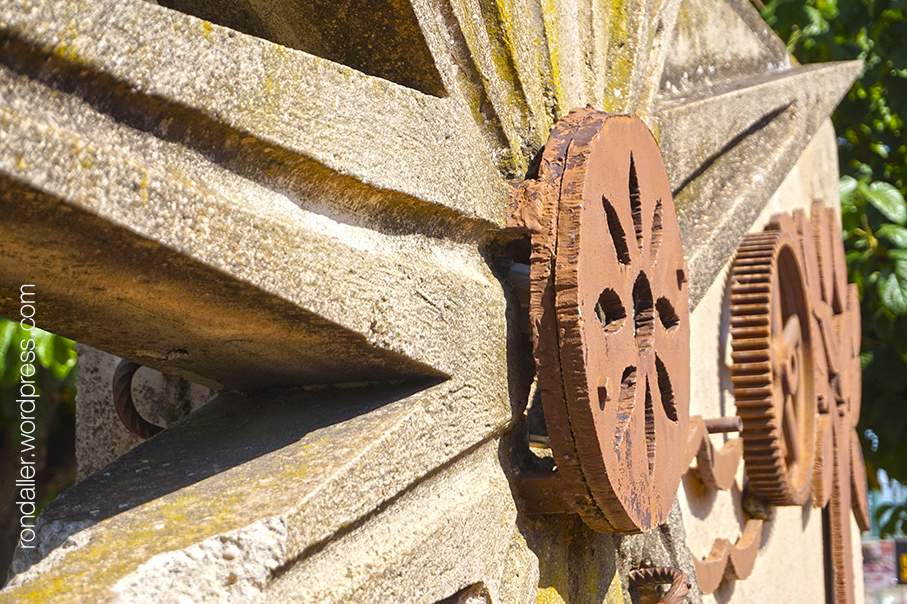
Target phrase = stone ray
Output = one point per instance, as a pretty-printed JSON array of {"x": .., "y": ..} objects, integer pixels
[
  {"x": 283, "y": 469},
  {"x": 242, "y": 253},
  {"x": 654, "y": 34},
  {"x": 380, "y": 38},
  {"x": 503, "y": 50},
  {"x": 716, "y": 40},
  {"x": 726, "y": 129},
  {"x": 240, "y": 107}
]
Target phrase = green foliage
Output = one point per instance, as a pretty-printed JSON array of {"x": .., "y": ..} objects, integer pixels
[
  {"x": 870, "y": 119},
  {"x": 873, "y": 153},
  {"x": 55, "y": 363},
  {"x": 892, "y": 520},
  {"x": 877, "y": 262}
]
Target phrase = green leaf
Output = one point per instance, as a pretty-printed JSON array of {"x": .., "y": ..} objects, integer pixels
[
  {"x": 847, "y": 186},
  {"x": 896, "y": 234},
  {"x": 893, "y": 288},
  {"x": 882, "y": 510},
  {"x": 11, "y": 372},
  {"x": 44, "y": 347},
  {"x": 64, "y": 357},
  {"x": 879, "y": 149},
  {"x": 7, "y": 332},
  {"x": 866, "y": 358},
  {"x": 855, "y": 257},
  {"x": 887, "y": 199}
]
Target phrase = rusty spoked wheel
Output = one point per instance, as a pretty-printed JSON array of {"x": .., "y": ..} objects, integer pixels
[
  {"x": 772, "y": 372},
  {"x": 610, "y": 310}
]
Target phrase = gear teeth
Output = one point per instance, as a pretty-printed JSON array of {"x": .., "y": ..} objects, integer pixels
[{"x": 751, "y": 305}]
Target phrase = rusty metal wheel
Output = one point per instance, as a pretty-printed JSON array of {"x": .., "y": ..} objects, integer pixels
[
  {"x": 610, "y": 301},
  {"x": 851, "y": 386},
  {"x": 840, "y": 541},
  {"x": 851, "y": 376},
  {"x": 773, "y": 372}
]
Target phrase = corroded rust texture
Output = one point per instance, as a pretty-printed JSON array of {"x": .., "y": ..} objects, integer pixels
[
  {"x": 609, "y": 309},
  {"x": 838, "y": 320},
  {"x": 660, "y": 575},
  {"x": 122, "y": 398},
  {"x": 731, "y": 560},
  {"x": 772, "y": 369},
  {"x": 717, "y": 468},
  {"x": 796, "y": 340}
]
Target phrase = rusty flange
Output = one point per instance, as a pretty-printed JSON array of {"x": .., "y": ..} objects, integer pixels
[
  {"x": 773, "y": 370},
  {"x": 122, "y": 398},
  {"x": 840, "y": 542},
  {"x": 609, "y": 308},
  {"x": 732, "y": 560},
  {"x": 838, "y": 314},
  {"x": 717, "y": 468}
]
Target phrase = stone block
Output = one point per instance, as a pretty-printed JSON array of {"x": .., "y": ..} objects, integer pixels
[{"x": 276, "y": 477}]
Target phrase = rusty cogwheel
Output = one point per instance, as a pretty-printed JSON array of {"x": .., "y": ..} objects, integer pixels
[
  {"x": 851, "y": 335},
  {"x": 610, "y": 312},
  {"x": 840, "y": 541},
  {"x": 772, "y": 372}
]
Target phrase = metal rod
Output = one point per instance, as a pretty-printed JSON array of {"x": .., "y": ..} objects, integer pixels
[{"x": 719, "y": 425}]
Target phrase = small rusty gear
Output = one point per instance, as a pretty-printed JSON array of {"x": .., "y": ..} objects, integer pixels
[
  {"x": 851, "y": 386},
  {"x": 859, "y": 489},
  {"x": 647, "y": 579},
  {"x": 851, "y": 377},
  {"x": 824, "y": 472},
  {"x": 609, "y": 309},
  {"x": 772, "y": 372},
  {"x": 840, "y": 474}
]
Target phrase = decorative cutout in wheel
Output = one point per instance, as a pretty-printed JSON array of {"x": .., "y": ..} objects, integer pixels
[
  {"x": 773, "y": 372},
  {"x": 610, "y": 310}
]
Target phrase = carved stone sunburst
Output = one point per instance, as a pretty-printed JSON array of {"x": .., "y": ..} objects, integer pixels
[{"x": 260, "y": 155}]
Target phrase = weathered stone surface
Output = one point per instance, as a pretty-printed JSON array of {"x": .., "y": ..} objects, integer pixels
[
  {"x": 576, "y": 565},
  {"x": 100, "y": 435},
  {"x": 299, "y": 298},
  {"x": 666, "y": 546},
  {"x": 369, "y": 148},
  {"x": 716, "y": 40},
  {"x": 283, "y": 474},
  {"x": 579, "y": 566},
  {"x": 377, "y": 38},
  {"x": 455, "y": 529}
]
